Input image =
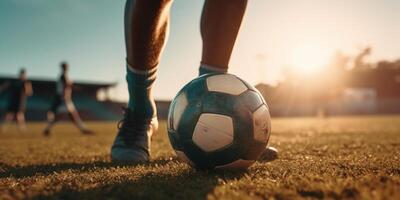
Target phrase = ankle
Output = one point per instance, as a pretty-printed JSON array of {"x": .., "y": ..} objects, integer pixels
[
  {"x": 208, "y": 69},
  {"x": 146, "y": 110},
  {"x": 140, "y": 83}
]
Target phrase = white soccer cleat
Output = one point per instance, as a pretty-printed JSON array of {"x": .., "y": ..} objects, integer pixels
[{"x": 132, "y": 143}]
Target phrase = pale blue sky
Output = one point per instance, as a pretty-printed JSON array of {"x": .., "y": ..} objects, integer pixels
[{"x": 38, "y": 34}]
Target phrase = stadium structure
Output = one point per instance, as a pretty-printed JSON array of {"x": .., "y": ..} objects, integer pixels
[{"x": 85, "y": 96}]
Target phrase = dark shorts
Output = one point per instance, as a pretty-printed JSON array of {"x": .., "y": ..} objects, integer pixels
[
  {"x": 16, "y": 104},
  {"x": 59, "y": 102}
]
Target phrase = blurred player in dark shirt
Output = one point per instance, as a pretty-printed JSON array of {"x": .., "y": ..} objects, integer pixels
[
  {"x": 62, "y": 98},
  {"x": 18, "y": 90}
]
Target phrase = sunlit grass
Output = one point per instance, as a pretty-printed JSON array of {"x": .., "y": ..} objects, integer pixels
[{"x": 347, "y": 157}]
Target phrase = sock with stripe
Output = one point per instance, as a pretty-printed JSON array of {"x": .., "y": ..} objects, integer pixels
[{"x": 140, "y": 84}]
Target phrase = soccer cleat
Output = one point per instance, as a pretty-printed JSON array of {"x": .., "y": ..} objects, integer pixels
[
  {"x": 132, "y": 143},
  {"x": 269, "y": 154}
]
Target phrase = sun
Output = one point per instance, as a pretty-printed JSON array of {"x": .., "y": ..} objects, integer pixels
[{"x": 308, "y": 59}]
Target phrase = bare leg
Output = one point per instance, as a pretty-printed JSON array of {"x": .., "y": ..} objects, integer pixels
[
  {"x": 76, "y": 119},
  {"x": 51, "y": 120},
  {"x": 220, "y": 24},
  {"x": 21, "y": 121},
  {"x": 146, "y": 31},
  {"x": 8, "y": 118}
]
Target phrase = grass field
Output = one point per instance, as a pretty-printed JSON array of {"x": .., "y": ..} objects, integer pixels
[{"x": 349, "y": 157}]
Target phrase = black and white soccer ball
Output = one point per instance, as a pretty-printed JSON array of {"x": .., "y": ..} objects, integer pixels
[{"x": 218, "y": 121}]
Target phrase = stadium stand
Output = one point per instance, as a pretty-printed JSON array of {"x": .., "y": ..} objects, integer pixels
[{"x": 85, "y": 96}]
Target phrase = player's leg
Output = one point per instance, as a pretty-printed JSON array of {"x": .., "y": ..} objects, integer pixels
[
  {"x": 76, "y": 119},
  {"x": 220, "y": 24},
  {"x": 51, "y": 120},
  {"x": 146, "y": 32},
  {"x": 11, "y": 111},
  {"x": 52, "y": 114},
  {"x": 20, "y": 116},
  {"x": 8, "y": 118}
]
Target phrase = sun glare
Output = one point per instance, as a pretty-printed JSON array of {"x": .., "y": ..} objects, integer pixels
[{"x": 308, "y": 59}]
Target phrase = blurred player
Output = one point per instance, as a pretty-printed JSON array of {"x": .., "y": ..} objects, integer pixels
[
  {"x": 18, "y": 90},
  {"x": 146, "y": 31},
  {"x": 62, "y": 98}
]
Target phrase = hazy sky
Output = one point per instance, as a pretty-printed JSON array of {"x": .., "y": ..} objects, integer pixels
[{"x": 38, "y": 34}]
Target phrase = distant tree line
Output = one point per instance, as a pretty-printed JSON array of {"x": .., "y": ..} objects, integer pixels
[
  {"x": 343, "y": 71},
  {"x": 383, "y": 76}
]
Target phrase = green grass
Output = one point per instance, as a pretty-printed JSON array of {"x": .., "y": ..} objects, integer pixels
[{"x": 348, "y": 157}]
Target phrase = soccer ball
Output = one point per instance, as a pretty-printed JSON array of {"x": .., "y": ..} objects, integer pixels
[{"x": 218, "y": 121}]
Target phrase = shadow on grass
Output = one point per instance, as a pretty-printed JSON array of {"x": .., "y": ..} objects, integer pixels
[
  {"x": 46, "y": 169},
  {"x": 181, "y": 184},
  {"x": 187, "y": 185}
]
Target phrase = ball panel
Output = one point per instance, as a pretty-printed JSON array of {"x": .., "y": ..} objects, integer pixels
[
  {"x": 262, "y": 98},
  {"x": 182, "y": 156},
  {"x": 230, "y": 105},
  {"x": 213, "y": 132},
  {"x": 251, "y": 100},
  {"x": 252, "y": 88},
  {"x": 200, "y": 158},
  {"x": 180, "y": 104},
  {"x": 243, "y": 123},
  {"x": 261, "y": 124},
  {"x": 226, "y": 155},
  {"x": 214, "y": 102},
  {"x": 188, "y": 122},
  {"x": 238, "y": 164},
  {"x": 174, "y": 140},
  {"x": 196, "y": 89},
  {"x": 226, "y": 83}
]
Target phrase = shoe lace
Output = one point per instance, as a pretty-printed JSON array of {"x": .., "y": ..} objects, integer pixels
[{"x": 130, "y": 127}]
